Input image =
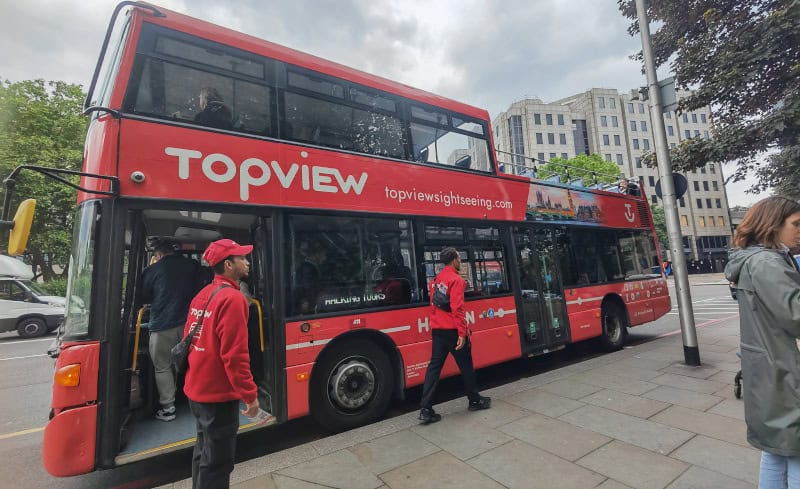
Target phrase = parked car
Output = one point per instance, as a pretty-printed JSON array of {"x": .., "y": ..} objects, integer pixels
[{"x": 24, "y": 306}]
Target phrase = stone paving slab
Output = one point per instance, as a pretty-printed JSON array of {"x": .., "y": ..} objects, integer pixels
[
  {"x": 712, "y": 425},
  {"x": 392, "y": 451},
  {"x": 620, "y": 384},
  {"x": 438, "y": 471},
  {"x": 633, "y": 466},
  {"x": 718, "y": 348},
  {"x": 625, "y": 403},
  {"x": 732, "y": 408},
  {"x": 557, "y": 437},
  {"x": 682, "y": 397},
  {"x": 500, "y": 414},
  {"x": 518, "y": 465},
  {"x": 338, "y": 469},
  {"x": 700, "y": 372},
  {"x": 644, "y": 434},
  {"x": 689, "y": 383},
  {"x": 627, "y": 371},
  {"x": 737, "y": 461},
  {"x": 700, "y": 478},
  {"x": 570, "y": 388},
  {"x": 544, "y": 403},
  {"x": 462, "y": 436}
]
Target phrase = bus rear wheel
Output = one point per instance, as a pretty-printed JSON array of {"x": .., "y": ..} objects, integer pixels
[
  {"x": 351, "y": 386},
  {"x": 614, "y": 326}
]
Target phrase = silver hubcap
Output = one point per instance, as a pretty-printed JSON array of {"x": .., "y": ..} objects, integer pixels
[
  {"x": 613, "y": 328},
  {"x": 352, "y": 384},
  {"x": 30, "y": 328}
]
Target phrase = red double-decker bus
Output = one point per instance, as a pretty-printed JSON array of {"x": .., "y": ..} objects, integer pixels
[{"x": 348, "y": 185}]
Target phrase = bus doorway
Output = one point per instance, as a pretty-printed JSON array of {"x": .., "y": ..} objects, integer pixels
[
  {"x": 188, "y": 232},
  {"x": 541, "y": 309}
]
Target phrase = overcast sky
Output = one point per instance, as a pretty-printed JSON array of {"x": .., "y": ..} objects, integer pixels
[{"x": 482, "y": 52}]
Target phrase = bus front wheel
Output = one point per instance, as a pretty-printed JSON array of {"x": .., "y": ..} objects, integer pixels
[
  {"x": 614, "y": 326},
  {"x": 351, "y": 385}
]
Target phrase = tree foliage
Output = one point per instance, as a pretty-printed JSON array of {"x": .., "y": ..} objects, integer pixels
[
  {"x": 582, "y": 166},
  {"x": 660, "y": 223},
  {"x": 741, "y": 58},
  {"x": 41, "y": 124}
]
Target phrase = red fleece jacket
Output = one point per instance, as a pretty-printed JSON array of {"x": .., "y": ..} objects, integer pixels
[
  {"x": 219, "y": 362},
  {"x": 455, "y": 319}
]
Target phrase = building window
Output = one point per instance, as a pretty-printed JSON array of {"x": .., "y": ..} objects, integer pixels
[
  {"x": 705, "y": 134},
  {"x": 635, "y": 144},
  {"x": 697, "y": 186},
  {"x": 539, "y": 138},
  {"x": 715, "y": 184},
  {"x": 517, "y": 141},
  {"x": 552, "y": 155},
  {"x": 711, "y": 168},
  {"x": 540, "y": 156},
  {"x": 601, "y": 102},
  {"x": 703, "y": 170},
  {"x": 619, "y": 159},
  {"x": 708, "y": 203},
  {"x": 688, "y": 134},
  {"x": 711, "y": 221},
  {"x": 562, "y": 138},
  {"x": 617, "y": 141},
  {"x": 605, "y": 140},
  {"x": 705, "y": 185},
  {"x": 641, "y": 108},
  {"x": 608, "y": 156},
  {"x": 719, "y": 203},
  {"x": 551, "y": 138},
  {"x": 682, "y": 202},
  {"x": 699, "y": 203},
  {"x": 703, "y": 118},
  {"x": 694, "y": 118},
  {"x": 549, "y": 119},
  {"x": 702, "y": 221},
  {"x": 630, "y": 108},
  {"x": 721, "y": 221},
  {"x": 670, "y": 131},
  {"x": 685, "y": 117},
  {"x": 537, "y": 118},
  {"x": 651, "y": 180},
  {"x": 565, "y": 156},
  {"x": 612, "y": 102},
  {"x": 654, "y": 198},
  {"x": 684, "y": 220},
  {"x": 560, "y": 119},
  {"x": 638, "y": 162},
  {"x": 673, "y": 145},
  {"x": 696, "y": 133},
  {"x": 614, "y": 120},
  {"x": 633, "y": 125},
  {"x": 604, "y": 121},
  {"x": 668, "y": 115},
  {"x": 646, "y": 143},
  {"x": 644, "y": 125}
]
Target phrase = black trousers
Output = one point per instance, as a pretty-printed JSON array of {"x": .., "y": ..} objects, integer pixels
[
  {"x": 215, "y": 450},
  {"x": 444, "y": 342}
]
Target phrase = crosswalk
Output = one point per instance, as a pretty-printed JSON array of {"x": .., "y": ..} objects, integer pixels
[{"x": 711, "y": 307}]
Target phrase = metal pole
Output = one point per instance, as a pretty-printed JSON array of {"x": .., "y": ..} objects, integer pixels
[{"x": 691, "y": 352}]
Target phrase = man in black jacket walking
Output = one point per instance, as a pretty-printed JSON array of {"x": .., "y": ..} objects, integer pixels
[{"x": 168, "y": 286}]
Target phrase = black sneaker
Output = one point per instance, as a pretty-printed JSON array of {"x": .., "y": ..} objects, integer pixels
[
  {"x": 428, "y": 416},
  {"x": 481, "y": 403}
]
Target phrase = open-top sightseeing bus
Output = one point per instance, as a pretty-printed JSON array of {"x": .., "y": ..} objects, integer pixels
[{"x": 317, "y": 165}]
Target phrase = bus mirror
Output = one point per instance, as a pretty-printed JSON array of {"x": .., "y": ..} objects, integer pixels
[{"x": 18, "y": 238}]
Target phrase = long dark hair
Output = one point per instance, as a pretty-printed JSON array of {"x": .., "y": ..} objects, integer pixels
[{"x": 763, "y": 222}]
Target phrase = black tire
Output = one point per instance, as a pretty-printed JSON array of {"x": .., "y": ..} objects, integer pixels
[
  {"x": 31, "y": 327},
  {"x": 614, "y": 326},
  {"x": 351, "y": 385}
]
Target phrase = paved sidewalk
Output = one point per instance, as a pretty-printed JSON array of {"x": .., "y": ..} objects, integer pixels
[{"x": 636, "y": 418}]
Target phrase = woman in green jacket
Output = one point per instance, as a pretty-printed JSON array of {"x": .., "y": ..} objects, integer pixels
[{"x": 768, "y": 292}]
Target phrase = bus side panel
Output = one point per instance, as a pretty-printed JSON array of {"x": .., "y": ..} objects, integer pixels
[
  {"x": 297, "y": 390},
  {"x": 496, "y": 345},
  {"x": 584, "y": 324},
  {"x": 69, "y": 442},
  {"x": 87, "y": 355},
  {"x": 416, "y": 358},
  {"x": 100, "y": 154}
]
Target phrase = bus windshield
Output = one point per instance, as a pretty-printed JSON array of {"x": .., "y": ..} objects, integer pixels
[{"x": 79, "y": 284}]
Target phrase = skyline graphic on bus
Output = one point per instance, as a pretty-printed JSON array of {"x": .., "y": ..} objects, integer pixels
[{"x": 562, "y": 205}]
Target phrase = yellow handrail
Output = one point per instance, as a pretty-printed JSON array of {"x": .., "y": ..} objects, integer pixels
[
  {"x": 260, "y": 322},
  {"x": 136, "y": 338}
]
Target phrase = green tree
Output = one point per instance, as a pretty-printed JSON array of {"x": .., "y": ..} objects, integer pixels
[
  {"x": 660, "y": 222},
  {"x": 41, "y": 124},
  {"x": 582, "y": 166},
  {"x": 742, "y": 58}
]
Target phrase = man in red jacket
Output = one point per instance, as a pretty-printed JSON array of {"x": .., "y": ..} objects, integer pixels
[
  {"x": 450, "y": 335},
  {"x": 219, "y": 374}
]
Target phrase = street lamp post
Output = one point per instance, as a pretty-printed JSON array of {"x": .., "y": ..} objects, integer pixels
[{"x": 691, "y": 352}]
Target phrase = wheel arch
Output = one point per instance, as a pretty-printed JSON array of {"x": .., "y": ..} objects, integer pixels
[
  {"x": 383, "y": 341},
  {"x": 615, "y": 299}
]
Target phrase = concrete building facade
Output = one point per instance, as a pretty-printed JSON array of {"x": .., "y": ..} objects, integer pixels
[{"x": 619, "y": 128}]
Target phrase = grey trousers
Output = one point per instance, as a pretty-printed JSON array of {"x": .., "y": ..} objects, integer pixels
[{"x": 161, "y": 343}]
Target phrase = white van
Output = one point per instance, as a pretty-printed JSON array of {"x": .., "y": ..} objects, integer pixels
[{"x": 24, "y": 306}]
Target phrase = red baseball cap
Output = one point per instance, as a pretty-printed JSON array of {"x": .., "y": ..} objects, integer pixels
[{"x": 223, "y": 248}]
